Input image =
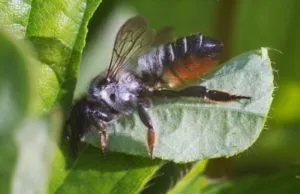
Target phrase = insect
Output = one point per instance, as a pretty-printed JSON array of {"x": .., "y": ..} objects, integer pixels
[{"x": 145, "y": 64}]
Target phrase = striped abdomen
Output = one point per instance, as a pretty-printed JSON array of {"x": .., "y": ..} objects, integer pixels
[{"x": 184, "y": 59}]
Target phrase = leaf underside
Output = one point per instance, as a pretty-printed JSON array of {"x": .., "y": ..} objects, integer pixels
[{"x": 190, "y": 129}]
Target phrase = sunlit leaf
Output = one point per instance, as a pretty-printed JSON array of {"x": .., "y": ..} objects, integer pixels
[
  {"x": 94, "y": 173},
  {"x": 57, "y": 30},
  {"x": 14, "y": 99}
]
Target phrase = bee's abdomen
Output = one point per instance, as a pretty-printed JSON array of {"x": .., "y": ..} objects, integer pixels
[
  {"x": 196, "y": 44},
  {"x": 188, "y": 58},
  {"x": 184, "y": 59}
]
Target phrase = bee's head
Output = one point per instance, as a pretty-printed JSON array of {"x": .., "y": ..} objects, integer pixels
[
  {"x": 101, "y": 87},
  {"x": 98, "y": 84}
]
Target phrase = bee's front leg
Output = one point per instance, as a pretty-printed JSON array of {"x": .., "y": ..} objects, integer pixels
[
  {"x": 99, "y": 121},
  {"x": 103, "y": 137},
  {"x": 151, "y": 135}
]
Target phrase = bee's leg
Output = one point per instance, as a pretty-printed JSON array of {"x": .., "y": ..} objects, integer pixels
[
  {"x": 151, "y": 136},
  {"x": 201, "y": 91},
  {"x": 103, "y": 135},
  {"x": 103, "y": 138},
  {"x": 99, "y": 121}
]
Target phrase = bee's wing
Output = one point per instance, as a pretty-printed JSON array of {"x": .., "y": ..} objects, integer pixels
[
  {"x": 163, "y": 36},
  {"x": 133, "y": 38}
]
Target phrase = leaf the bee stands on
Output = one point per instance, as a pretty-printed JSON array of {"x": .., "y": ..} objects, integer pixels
[{"x": 190, "y": 129}]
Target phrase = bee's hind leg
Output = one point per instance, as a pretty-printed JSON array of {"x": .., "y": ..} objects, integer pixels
[
  {"x": 145, "y": 118},
  {"x": 202, "y": 92}
]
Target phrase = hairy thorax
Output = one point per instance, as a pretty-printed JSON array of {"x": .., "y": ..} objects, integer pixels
[{"x": 120, "y": 94}]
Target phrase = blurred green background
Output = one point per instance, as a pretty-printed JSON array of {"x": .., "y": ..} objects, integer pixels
[{"x": 242, "y": 25}]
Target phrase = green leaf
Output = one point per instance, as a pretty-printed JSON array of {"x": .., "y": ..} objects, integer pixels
[
  {"x": 57, "y": 29},
  {"x": 94, "y": 173},
  {"x": 277, "y": 183},
  {"x": 190, "y": 129},
  {"x": 14, "y": 99},
  {"x": 167, "y": 176},
  {"x": 15, "y": 90},
  {"x": 192, "y": 181},
  {"x": 35, "y": 143},
  {"x": 26, "y": 143}
]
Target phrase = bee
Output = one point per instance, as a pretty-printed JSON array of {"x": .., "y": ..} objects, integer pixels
[{"x": 145, "y": 64}]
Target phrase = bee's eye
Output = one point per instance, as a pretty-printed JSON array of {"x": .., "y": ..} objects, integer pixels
[{"x": 112, "y": 97}]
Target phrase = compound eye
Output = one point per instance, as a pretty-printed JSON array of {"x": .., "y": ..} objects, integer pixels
[{"x": 112, "y": 97}]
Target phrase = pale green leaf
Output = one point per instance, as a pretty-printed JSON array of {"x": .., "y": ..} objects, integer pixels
[
  {"x": 26, "y": 144},
  {"x": 14, "y": 99},
  {"x": 35, "y": 144},
  {"x": 190, "y": 129},
  {"x": 57, "y": 31}
]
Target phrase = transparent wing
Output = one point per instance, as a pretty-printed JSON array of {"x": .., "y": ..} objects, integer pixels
[{"x": 133, "y": 38}]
